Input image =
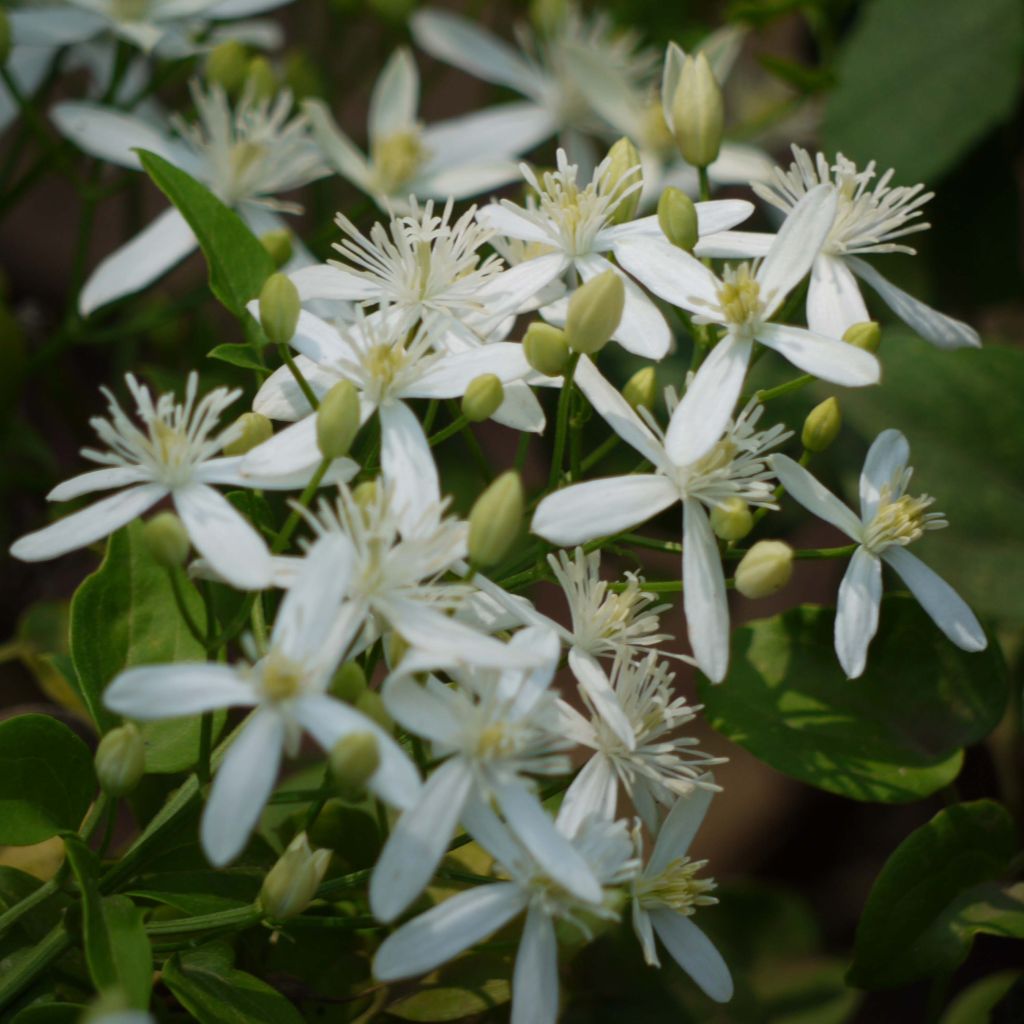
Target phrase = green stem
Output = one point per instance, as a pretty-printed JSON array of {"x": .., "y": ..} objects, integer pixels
[
  {"x": 304, "y": 387},
  {"x": 603, "y": 449},
  {"x": 469, "y": 438},
  {"x": 562, "y": 422},
  {"x": 705, "y": 184},
  {"x": 285, "y": 534},
  {"x": 32, "y": 900},
  {"x": 174, "y": 575},
  {"x": 205, "y": 745},
  {"x": 34, "y": 963},
  {"x": 239, "y": 917},
  {"x": 445, "y": 432},
  {"x": 796, "y": 384}
]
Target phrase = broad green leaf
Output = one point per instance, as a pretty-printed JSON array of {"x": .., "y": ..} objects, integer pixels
[
  {"x": 46, "y": 779},
  {"x": 974, "y": 1004},
  {"x": 917, "y": 907},
  {"x": 199, "y": 892},
  {"x": 237, "y": 261},
  {"x": 896, "y": 734},
  {"x": 921, "y": 80},
  {"x": 470, "y": 985},
  {"x": 238, "y": 355}
]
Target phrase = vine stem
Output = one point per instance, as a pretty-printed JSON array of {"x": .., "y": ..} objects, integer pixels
[{"x": 562, "y": 421}]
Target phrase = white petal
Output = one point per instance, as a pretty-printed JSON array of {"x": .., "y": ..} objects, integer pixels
[
  {"x": 520, "y": 409},
  {"x": 318, "y": 340},
  {"x": 395, "y": 97},
  {"x": 451, "y": 375},
  {"x": 721, "y": 215},
  {"x": 464, "y": 180},
  {"x": 669, "y": 272},
  {"x": 834, "y": 301},
  {"x": 860, "y": 594},
  {"x": 600, "y": 508},
  {"x": 738, "y": 164},
  {"x": 427, "y": 710},
  {"x": 170, "y": 691},
  {"x": 886, "y": 460},
  {"x": 281, "y": 398},
  {"x": 336, "y": 146},
  {"x": 505, "y": 219},
  {"x": 228, "y": 470},
  {"x": 594, "y": 792},
  {"x": 54, "y": 26},
  {"x": 109, "y": 134},
  {"x": 291, "y": 450},
  {"x": 675, "y": 55},
  {"x": 595, "y": 683},
  {"x": 730, "y": 245},
  {"x": 947, "y": 608},
  {"x": 678, "y": 829},
  {"x": 694, "y": 952},
  {"x": 535, "y": 979},
  {"x": 814, "y": 497},
  {"x": 516, "y": 288},
  {"x": 97, "y": 480},
  {"x": 406, "y": 463},
  {"x": 826, "y": 358},
  {"x": 229, "y": 9},
  {"x": 505, "y": 130},
  {"x": 704, "y": 600}
]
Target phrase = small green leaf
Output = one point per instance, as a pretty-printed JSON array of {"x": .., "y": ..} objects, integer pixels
[
  {"x": 199, "y": 892},
  {"x": 46, "y": 779},
  {"x": 974, "y": 1004},
  {"x": 924, "y": 907},
  {"x": 238, "y": 355},
  {"x": 470, "y": 985}
]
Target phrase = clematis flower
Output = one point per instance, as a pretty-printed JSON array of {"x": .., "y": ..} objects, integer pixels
[
  {"x": 890, "y": 520},
  {"x": 287, "y": 687}
]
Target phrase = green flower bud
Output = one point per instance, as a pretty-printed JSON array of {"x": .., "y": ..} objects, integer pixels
[
  {"x": 349, "y": 682},
  {"x": 227, "y": 65},
  {"x": 822, "y": 425},
  {"x": 866, "y": 335},
  {"x": 623, "y": 173},
  {"x": 483, "y": 398},
  {"x": 764, "y": 569},
  {"x": 732, "y": 519},
  {"x": 5, "y": 37},
  {"x": 365, "y": 494},
  {"x": 337, "y": 420},
  {"x": 548, "y": 16},
  {"x": 698, "y": 114},
  {"x": 279, "y": 245},
  {"x": 495, "y": 520},
  {"x": 120, "y": 760},
  {"x": 677, "y": 218},
  {"x": 595, "y": 310},
  {"x": 641, "y": 389},
  {"x": 256, "y": 429},
  {"x": 279, "y": 308},
  {"x": 546, "y": 349},
  {"x": 302, "y": 76},
  {"x": 166, "y": 539},
  {"x": 353, "y": 760},
  {"x": 351, "y": 832},
  {"x": 260, "y": 79},
  {"x": 396, "y": 647},
  {"x": 371, "y": 704},
  {"x": 292, "y": 882}
]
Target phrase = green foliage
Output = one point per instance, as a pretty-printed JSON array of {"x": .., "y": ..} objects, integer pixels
[
  {"x": 199, "y": 892},
  {"x": 469, "y": 985},
  {"x": 974, "y": 1004},
  {"x": 896, "y": 734}
]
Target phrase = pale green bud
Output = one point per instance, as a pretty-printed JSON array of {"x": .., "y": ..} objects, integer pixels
[
  {"x": 595, "y": 310},
  {"x": 698, "y": 114},
  {"x": 764, "y": 569},
  {"x": 302, "y": 76},
  {"x": 371, "y": 704},
  {"x": 397, "y": 648},
  {"x": 349, "y": 682},
  {"x": 623, "y": 173},
  {"x": 260, "y": 79},
  {"x": 279, "y": 308},
  {"x": 166, "y": 539},
  {"x": 5, "y": 37},
  {"x": 548, "y": 16},
  {"x": 337, "y": 420},
  {"x": 483, "y": 398},
  {"x": 227, "y": 65},
  {"x": 120, "y": 760},
  {"x": 256, "y": 429},
  {"x": 495, "y": 520},
  {"x": 641, "y": 389},
  {"x": 822, "y": 425},
  {"x": 732, "y": 519},
  {"x": 365, "y": 494},
  {"x": 279, "y": 245},
  {"x": 866, "y": 335},
  {"x": 677, "y": 218},
  {"x": 353, "y": 760},
  {"x": 292, "y": 882},
  {"x": 546, "y": 349}
]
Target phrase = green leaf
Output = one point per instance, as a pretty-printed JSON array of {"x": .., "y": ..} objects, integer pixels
[
  {"x": 46, "y": 779},
  {"x": 973, "y": 1005},
  {"x": 922, "y": 80},
  {"x": 237, "y": 261},
  {"x": 50, "y": 1013},
  {"x": 124, "y": 614},
  {"x": 896, "y": 734},
  {"x": 916, "y": 912},
  {"x": 199, "y": 892},
  {"x": 470, "y": 985},
  {"x": 238, "y": 355}
]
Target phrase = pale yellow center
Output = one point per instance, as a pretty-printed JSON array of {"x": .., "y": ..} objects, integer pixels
[
  {"x": 396, "y": 159},
  {"x": 281, "y": 678},
  {"x": 740, "y": 297},
  {"x": 677, "y": 887},
  {"x": 901, "y": 521}
]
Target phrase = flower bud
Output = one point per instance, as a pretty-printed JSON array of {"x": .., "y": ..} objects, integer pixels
[
  {"x": 256, "y": 429},
  {"x": 349, "y": 682},
  {"x": 698, "y": 114},
  {"x": 365, "y": 494},
  {"x": 120, "y": 760},
  {"x": 302, "y": 76},
  {"x": 623, "y": 173},
  {"x": 677, "y": 218},
  {"x": 5, "y": 37},
  {"x": 866, "y": 335},
  {"x": 764, "y": 569},
  {"x": 732, "y": 519},
  {"x": 166, "y": 539},
  {"x": 396, "y": 647},
  {"x": 548, "y": 16},
  {"x": 640, "y": 389},
  {"x": 227, "y": 65},
  {"x": 371, "y": 704},
  {"x": 292, "y": 882},
  {"x": 337, "y": 420},
  {"x": 350, "y": 831},
  {"x": 483, "y": 397},
  {"x": 279, "y": 245},
  {"x": 822, "y": 425},
  {"x": 260, "y": 79},
  {"x": 279, "y": 308},
  {"x": 546, "y": 349},
  {"x": 495, "y": 520},
  {"x": 354, "y": 759},
  {"x": 595, "y": 310}
]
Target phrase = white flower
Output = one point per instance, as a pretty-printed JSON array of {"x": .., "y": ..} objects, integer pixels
[
  {"x": 174, "y": 453},
  {"x": 890, "y": 519},
  {"x": 245, "y": 156},
  {"x": 734, "y": 467},
  {"x": 667, "y": 893},
  {"x": 744, "y": 303},
  {"x": 572, "y": 222},
  {"x": 463, "y": 920},
  {"x": 460, "y": 157},
  {"x": 287, "y": 687},
  {"x": 871, "y": 218}
]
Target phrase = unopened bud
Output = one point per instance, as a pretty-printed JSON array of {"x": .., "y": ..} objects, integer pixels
[
  {"x": 120, "y": 760},
  {"x": 353, "y": 760},
  {"x": 595, "y": 310},
  {"x": 365, "y": 494},
  {"x": 623, "y": 179},
  {"x": 302, "y": 76},
  {"x": 349, "y": 682},
  {"x": 279, "y": 246},
  {"x": 337, "y": 420},
  {"x": 495, "y": 520},
  {"x": 677, "y": 218},
  {"x": 732, "y": 519},
  {"x": 371, "y": 704},
  {"x": 546, "y": 349},
  {"x": 292, "y": 882},
  {"x": 822, "y": 425},
  {"x": 698, "y": 114},
  {"x": 256, "y": 429},
  {"x": 396, "y": 647},
  {"x": 866, "y": 335},
  {"x": 641, "y": 389},
  {"x": 350, "y": 831},
  {"x": 260, "y": 79},
  {"x": 548, "y": 16},
  {"x": 279, "y": 308},
  {"x": 483, "y": 398},
  {"x": 227, "y": 65},
  {"x": 764, "y": 569},
  {"x": 5, "y": 37},
  {"x": 166, "y": 539}
]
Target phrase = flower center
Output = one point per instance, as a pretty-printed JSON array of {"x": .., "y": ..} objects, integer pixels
[
  {"x": 396, "y": 159},
  {"x": 901, "y": 521},
  {"x": 740, "y": 297},
  {"x": 244, "y": 158},
  {"x": 495, "y": 741},
  {"x": 383, "y": 363},
  {"x": 677, "y": 888},
  {"x": 280, "y": 677}
]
